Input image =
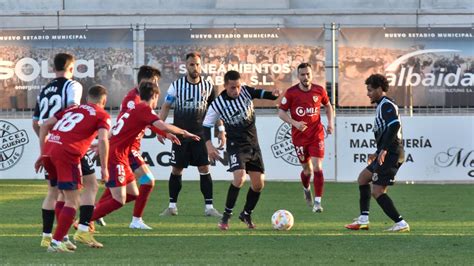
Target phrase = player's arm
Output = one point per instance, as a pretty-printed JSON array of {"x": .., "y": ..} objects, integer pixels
[
  {"x": 74, "y": 93},
  {"x": 390, "y": 116},
  {"x": 208, "y": 123},
  {"x": 300, "y": 125},
  {"x": 103, "y": 143},
  {"x": 221, "y": 135},
  {"x": 174, "y": 130},
  {"x": 169, "y": 101},
  {"x": 36, "y": 114},
  {"x": 43, "y": 133},
  {"x": 330, "y": 116},
  {"x": 264, "y": 94}
]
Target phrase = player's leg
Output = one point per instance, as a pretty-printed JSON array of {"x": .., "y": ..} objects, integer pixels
[
  {"x": 88, "y": 194},
  {"x": 146, "y": 181},
  {"x": 179, "y": 161},
  {"x": 253, "y": 195},
  {"x": 232, "y": 194},
  {"x": 318, "y": 183},
  {"x": 364, "y": 179},
  {"x": 305, "y": 175},
  {"x": 47, "y": 210}
]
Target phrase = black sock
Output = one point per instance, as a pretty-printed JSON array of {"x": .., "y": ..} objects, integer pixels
[
  {"x": 364, "y": 199},
  {"x": 85, "y": 214},
  {"x": 48, "y": 221},
  {"x": 174, "y": 187},
  {"x": 232, "y": 195},
  {"x": 252, "y": 199},
  {"x": 387, "y": 206},
  {"x": 206, "y": 187}
]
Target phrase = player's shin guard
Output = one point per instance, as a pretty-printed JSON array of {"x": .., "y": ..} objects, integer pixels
[
  {"x": 206, "y": 187},
  {"x": 85, "y": 214},
  {"x": 318, "y": 183},
  {"x": 48, "y": 220},
  {"x": 388, "y": 207},
  {"x": 142, "y": 199},
  {"x": 57, "y": 208},
  {"x": 105, "y": 207},
  {"x": 175, "y": 185},
  {"x": 305, "y": 179},
  {"x": 232, "y": 195},
  {"x": 252, "y": 199},
  {"x": 364, "y": 199},
  {"x": 65, "y": 220}
]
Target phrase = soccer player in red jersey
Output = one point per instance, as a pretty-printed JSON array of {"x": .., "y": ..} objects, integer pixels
[
  {"x": 130, "y": 124},
  {"x": 304, "y": 101},
  {"x": 70, "y": 134},
  {"x": 140, "y": 169}
]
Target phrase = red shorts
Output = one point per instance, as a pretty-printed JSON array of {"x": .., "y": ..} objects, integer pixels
[
  {"x": 65, "y": 172},
  {"x": 135, "y": 159},
  {"x": 120, "y": 175},
  {"x": 313, "y": 149}
]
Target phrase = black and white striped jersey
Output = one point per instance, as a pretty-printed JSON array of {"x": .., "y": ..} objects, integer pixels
[
  {"x": 237, "y": 114},
  {"x": 387, "y": 114},
  {"x": 56, "y": 96},
  {"x": 191, "y": 102}
]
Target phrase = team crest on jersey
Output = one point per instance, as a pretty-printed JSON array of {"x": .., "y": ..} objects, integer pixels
[
  {"x": 315, "y": 99},
  {"x": 284, "y": 100},
  {"x": 283, "y": 147},
  {"x": 121, "y": 178},
  {"x": 131, "y": 105},
  {"x": 12, "y": 143}
]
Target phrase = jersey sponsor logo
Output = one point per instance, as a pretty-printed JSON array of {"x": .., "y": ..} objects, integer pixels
[
  {"x": 12, "y": 142},
  {"x": 308, "y": 111},
  {"x": 283, "y": 147}
]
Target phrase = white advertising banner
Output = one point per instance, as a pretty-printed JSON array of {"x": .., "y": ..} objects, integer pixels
[
  {"x": 437, "y": 149},
  {"x": 19, "y": 150}
]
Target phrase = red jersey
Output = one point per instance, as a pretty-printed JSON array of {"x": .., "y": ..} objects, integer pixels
[
  {"x": 129, "y": 101},
  {"x": 75, "y": 130},
  {"x": 305, "y": 106},
  {"x": 130, "y": 124}
]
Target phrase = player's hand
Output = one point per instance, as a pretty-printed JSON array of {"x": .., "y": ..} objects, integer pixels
[
  {"x": 94, "y": 148},
  {"x": 300, "y": 125},
  {"x": 212, "y": 152},
  {"x": 172, "y": 138},
  {"x": 276, "y": 92},
  {"x": 39, "y": 164},
  {"x": 104, "y": 172},
  {"x": 221, "y": 140},
  {"x": 381, "y": 157},
  {"x": 329, "y": 129},
  {"x": 371, "y": 158},
  {"x": 160, "y": 138},
  {"x": 188, "y": 135}
]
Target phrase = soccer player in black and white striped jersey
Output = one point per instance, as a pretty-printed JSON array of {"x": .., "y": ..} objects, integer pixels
[
  {"x": 385, "y": 162},
  {"x": 235, "y": 107},
  {"x": 191, "y": 96}
]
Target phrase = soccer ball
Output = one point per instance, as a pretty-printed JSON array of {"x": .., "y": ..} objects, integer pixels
[{"x": 282, "y": 220}]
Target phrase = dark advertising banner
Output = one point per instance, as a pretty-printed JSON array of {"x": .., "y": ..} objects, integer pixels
[
  {"x": 266, "y": 58},
  {"x": 26, "y": 62},
  {"x": 425, "y": 66}
]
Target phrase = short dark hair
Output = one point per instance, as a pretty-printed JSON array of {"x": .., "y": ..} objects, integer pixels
[
  {"x": 147, "y": 90},
  {"x": 193, "y": 54},
  {"x": 231, "y": 75},
  {"x": 303, "y": 65},
  {"x": 148, "y": 72},
  {"x": 377, "y": 80},
  {"x": 96, "y": 92},
  {"x": 62, "y": 61}
]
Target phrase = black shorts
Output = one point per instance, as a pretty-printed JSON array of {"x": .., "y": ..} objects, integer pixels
[
  {"x": 245, "y": 157},
  {"x": 384, "y": 175},
  {"x": 189, "y": 153},
  {"x": 87, "y": 168}
]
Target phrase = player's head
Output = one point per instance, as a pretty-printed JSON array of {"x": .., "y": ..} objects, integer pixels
[
  {"x": 193, "y": 65},
  {"x": 64, "y": 63},
  {"x": 149, "y": 92},
  {"x": 305, "y": 74},
  {"x": 148, "y": 73},
  {"x": 377, "y": 85},
  {"x": 97, "y": 94},
  {"x": 232, "y": 83}
]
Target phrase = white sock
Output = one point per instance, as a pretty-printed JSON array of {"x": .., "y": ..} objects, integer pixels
[
  {"x": 318, "y": 199},
  {"x": 56, "y": 241},
  {"x": 136, "y": 219},
  {"x": 209, "y": 206},
  {"x": 402, "y": 223},
  {"x": 172, "y": 205},
  {"x": 47, "y": 234},
  {"x": 83, "y": 228},
  {"x": 364, "y": 218}
]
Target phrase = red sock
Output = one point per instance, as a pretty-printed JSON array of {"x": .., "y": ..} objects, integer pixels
[
  {"x": 57, "y": 208},
  {"x": 106, "y": 195},
  {"x": 103, "y": 208},
  {"x": 65, "y": 219},
  {"x": 130, "y": 197},
  {"x": 318, "y": 183},
  {"x": 142, "y": 199},
  {"x": 305, "y": 179}
]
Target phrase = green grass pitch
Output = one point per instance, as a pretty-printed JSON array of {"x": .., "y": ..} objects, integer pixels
[{"x": 441, "y": 218}]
